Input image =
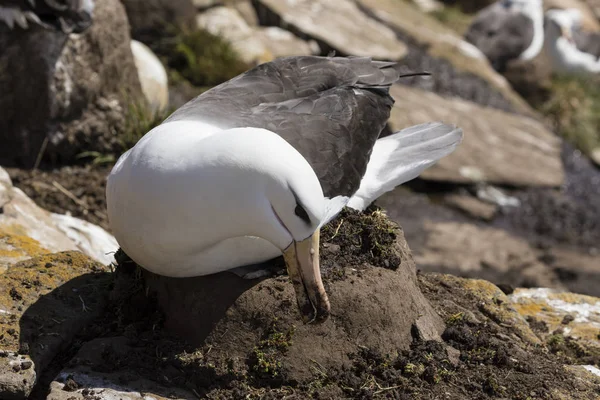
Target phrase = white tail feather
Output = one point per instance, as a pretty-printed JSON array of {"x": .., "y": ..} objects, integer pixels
[{"x": 400, "y": 157}]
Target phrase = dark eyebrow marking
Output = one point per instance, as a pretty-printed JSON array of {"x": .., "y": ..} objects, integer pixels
[{"x": 299, "y": 210}]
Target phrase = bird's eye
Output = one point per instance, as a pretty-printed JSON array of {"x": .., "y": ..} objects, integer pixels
[{"x": 302, "y": 214}]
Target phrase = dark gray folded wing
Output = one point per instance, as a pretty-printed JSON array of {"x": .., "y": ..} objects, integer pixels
[
  {"x": 65, "y": 15},
  {"x": 587, "y": 42},
  {"x": 331, "y": 110},
  {"x": 500, "y": 34}
]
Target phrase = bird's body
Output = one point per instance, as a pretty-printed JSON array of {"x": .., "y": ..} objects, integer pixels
[
  {"x": 69, "y": 16},
  {"x": 253, "y": 167},
  {"x": 508, "y": 30},
  {"x": 570, "y": 49}
]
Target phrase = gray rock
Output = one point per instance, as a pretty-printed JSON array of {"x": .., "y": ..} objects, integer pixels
[
  {"x": 282, "y": 43},
  {"x": 63, "y": 94},
  {"x": 339, "y": 26},
  {"x": 149, "y": 18},
  {"x": 498, "y": 147},
  {"x": 86, "y": 380},
  {"x": 16, "y": 375},
  {"x": 228, "y": 23}
]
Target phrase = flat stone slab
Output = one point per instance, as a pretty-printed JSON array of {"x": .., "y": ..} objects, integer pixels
[
  {"x": 339, "y": 24},
  {"x": 442, "y": 42},
  {"x": 498, "y": 147},
  {"x": 88, "y": 376}
]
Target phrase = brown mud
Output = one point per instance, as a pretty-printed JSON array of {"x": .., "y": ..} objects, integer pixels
[{"x": 487, "y": 351}]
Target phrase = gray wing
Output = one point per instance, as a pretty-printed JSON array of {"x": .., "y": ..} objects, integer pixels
[
  {"x": 65, "y": 15},
  {"x": 587, "y": 42},
  {"x": 331, "y": 109},
  {"x": 500, "y": 34}
]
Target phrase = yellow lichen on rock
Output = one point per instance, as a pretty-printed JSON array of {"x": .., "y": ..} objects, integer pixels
[
  {"x": 496, "y": 305},
  {"x": 24, "y": 283},
  {"x": 552, "y": 306},
  {"x": 16, "y": 246}
]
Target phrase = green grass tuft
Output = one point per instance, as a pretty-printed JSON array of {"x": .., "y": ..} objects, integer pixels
[
  {"x": 141, "y": 119},
  {"x": 573, "y": 108},
  {"x": 199, "y": 57}
]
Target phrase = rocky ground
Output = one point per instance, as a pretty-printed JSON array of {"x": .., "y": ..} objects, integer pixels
[
  {"x": 123, "y": 335},
  {"x": 515, "y": 205}
]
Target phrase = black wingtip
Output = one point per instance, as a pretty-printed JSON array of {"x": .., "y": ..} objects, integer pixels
[{"x": 423, "y": 73}]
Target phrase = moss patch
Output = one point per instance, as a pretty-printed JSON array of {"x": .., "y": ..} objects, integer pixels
[
  {"x": 573, "y": 108},
  {"x": 203, "y": 59}
]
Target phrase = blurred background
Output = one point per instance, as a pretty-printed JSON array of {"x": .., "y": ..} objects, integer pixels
[{"x": 518, "y": 203}]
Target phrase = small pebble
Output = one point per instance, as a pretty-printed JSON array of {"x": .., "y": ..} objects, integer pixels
[
  {"x": 26, "y": 364},
  {"x": 567, "y": 319}
]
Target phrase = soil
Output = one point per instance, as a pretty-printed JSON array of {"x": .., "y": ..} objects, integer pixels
[
  {"x": 481, "y": 355},
  {"x": 78, "y": 190}
]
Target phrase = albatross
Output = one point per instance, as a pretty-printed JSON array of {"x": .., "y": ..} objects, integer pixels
[
  {"x": 508, "y": 30},
  {"x": 571, "y": 50},
  {"x": 69, "y": 16},
  {"x": 252, "y": 168}
]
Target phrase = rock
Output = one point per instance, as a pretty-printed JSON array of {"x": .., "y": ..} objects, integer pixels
[
  {"x": 64, "y": 94},
  {"x": 364, "y": 299},
  {"x": 445, "y": 44},
  {"x": 595, "y": 156},
  {"x": 44, "y": 302},
  {"x": 472, "y": 206},
  {"x": 89, "y": 371},
  {"x": 578, "y": 270},
  {"x": 229, "y": 24},
  {"x": 489, "y": 253},
  {"x": 17, "y": 376},
  {"x": 90, "y": 239},
  {"x": 428, "y": 6},
  {"x": 339, "y": 26},
  {"x": 27, "y": 230},
  {"x": 595, "y": 7},
  {"x": 246, "y": 10},
  {"x": 202, "y": 5},
  {"x": 282, "y": 43},
  {"x": 152, "y": 76},
  {"x": 491, "y": 304},
  {"x": 150, "y": 18},
  {"x": 498, "y": 147},
  {"x": 552, "y": 306}
]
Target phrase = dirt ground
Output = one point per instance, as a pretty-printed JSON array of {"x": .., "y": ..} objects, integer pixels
[{"x": 481, "y": 356}]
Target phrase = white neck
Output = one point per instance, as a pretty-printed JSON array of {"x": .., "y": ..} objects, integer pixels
[
  {"x": 218, "y": 185},
  {"x": 535, "y": 11}
]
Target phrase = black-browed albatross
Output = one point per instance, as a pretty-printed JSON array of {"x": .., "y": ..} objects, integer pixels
[
  {"x": 570, "y": 48},
  {"x": 254, "y": 167},
  {"x": 69, "y": 16},
  {"x": 508, "y": 30}
]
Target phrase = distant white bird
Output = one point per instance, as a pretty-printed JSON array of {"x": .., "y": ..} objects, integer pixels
[
  {"x": 69, "y": 16},
  {"x": 252, "y": 168},
  {"x": 508, "y": 30},
  {"x": 570, "y": 49}
]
